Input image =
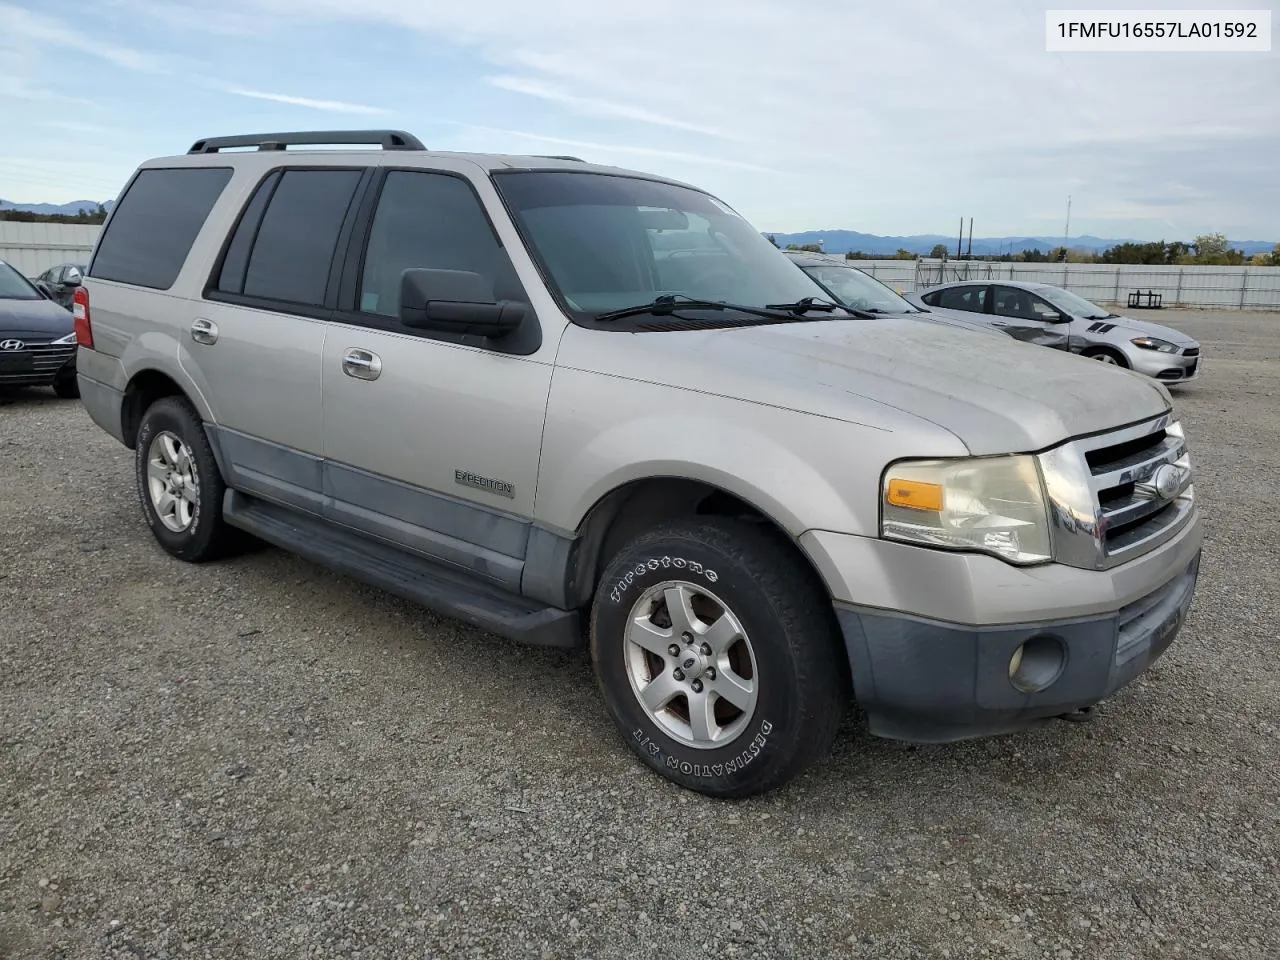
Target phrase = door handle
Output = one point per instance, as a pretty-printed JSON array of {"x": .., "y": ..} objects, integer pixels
[
  {"x": 204, "y": 331},
  {"x": 361, "y": 364}
]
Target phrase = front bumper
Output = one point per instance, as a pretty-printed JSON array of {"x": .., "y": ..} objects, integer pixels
[
  {"x": 1166, "y": 367},
  {"x": 40, "y": 365},
  {"x": 929, "y": 682}
]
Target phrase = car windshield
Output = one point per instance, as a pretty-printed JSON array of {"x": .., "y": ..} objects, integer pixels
[
  {"x": 1079, "y": 306},
  {"x": 14, "y": 286},
  {"x": 607, "y": 242},
  {"x": 853, "y": 288}
]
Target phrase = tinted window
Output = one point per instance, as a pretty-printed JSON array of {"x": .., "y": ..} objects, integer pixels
[
  {"x": 236, "y": 260},
  {"x": 294, "y": 247},
  {"x": 432, "y": 221},
  {"x": 973, "y": 299},
  {"x": 152, "y": 231},
  {"x": 1012, "y": 302}
]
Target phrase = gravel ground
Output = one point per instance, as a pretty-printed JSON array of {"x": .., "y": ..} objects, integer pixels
[{"x": 262, "y": 759}]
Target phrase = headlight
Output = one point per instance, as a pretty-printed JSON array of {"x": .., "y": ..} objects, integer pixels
[
  {"x": 1152, "y": 343},
  {"x": 69, "y": 338},
  {"x": 994, "y": 505}
]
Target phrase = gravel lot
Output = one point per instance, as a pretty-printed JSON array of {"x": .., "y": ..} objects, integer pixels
[{"x": 262, "y": 759}]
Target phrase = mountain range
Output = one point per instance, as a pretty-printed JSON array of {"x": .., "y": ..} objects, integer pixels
[
  {"x": 65, "y": 209},
  {"x": 832, "y": 241},
  {"x": 843, "y": 241}
]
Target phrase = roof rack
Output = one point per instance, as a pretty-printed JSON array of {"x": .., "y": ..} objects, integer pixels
[
  {"x": 387, "y": 139},
  {"x": 558, "y": 156}
]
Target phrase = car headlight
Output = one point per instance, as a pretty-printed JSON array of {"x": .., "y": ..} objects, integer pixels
[
  {"x": 995, "y": 505},
  {"x": 69, "y": 338},
  {"x": 1153, "y": 343}
]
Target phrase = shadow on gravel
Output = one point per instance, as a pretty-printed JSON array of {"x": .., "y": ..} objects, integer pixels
[{"x": 31, "y": 397}]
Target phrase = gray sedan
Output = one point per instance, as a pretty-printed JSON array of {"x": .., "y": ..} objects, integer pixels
[
  {"x": 1149, "y": 348},
  {"x": 848, "y": 285}
]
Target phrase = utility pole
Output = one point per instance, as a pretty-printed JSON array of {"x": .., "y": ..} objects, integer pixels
[
  {"x": 960, "y": 242},
  {"x": 969, "y": 251},
  {"x": 1066, "y": 233}
]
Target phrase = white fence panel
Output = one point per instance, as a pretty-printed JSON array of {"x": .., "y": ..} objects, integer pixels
[{"x": 32, "y": 248}]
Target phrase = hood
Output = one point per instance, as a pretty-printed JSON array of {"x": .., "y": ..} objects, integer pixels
[
  {"x": 1145, "y": 328},
  {"x": 36, "y": 320},
  {"x": 995, "y": 394}
]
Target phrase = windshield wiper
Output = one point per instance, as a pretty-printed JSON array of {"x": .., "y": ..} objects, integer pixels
[
  {"x": 803, "y": 306},
  {"x": 668, "y": 304}
]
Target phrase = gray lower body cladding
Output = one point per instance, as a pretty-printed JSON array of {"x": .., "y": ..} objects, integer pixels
[{"x": 930, "y": 682}]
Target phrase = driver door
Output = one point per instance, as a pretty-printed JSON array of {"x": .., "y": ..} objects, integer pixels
[{"x": 1024, "y": 316}]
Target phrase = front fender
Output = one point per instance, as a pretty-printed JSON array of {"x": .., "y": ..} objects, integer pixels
[{"x": 801, "y": 470}]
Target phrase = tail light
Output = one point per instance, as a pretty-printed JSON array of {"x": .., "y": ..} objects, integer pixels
[{"x": 80, "y": 310}]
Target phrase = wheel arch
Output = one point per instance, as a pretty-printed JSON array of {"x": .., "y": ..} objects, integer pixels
[
  {"x": 144, "y": 388},
  {"x": 638, "y": 505}
]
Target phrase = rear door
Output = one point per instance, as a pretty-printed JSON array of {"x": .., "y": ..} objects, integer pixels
[{"x": 257, "y": 339}]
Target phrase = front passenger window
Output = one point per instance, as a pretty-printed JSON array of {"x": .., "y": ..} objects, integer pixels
[{"x": 432, "y": 221}]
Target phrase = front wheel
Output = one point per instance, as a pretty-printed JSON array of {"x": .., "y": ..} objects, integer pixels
[
  {"x": 717, "y": 655},
  {"x": 67, "y": 387},
  {"x": 1106, "y": 356}
]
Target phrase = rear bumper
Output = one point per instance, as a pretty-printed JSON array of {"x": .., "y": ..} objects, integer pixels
[
  {"x": 928, "y": 681},
  {"x": 104, "y": 404}
]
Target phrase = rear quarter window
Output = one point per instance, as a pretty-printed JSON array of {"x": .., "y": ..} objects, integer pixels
[{"x": 157, "y": 221}]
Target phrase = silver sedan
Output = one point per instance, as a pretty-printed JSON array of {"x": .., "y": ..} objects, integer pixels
[{"x": 1149, "y": 348}]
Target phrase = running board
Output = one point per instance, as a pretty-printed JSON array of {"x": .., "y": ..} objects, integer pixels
[{"x": 446, "y": 591}]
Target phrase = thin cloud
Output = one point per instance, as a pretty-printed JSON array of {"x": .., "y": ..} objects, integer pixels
[
  {"x": 328, "y": 106},
  {"x": 621, "y": 148},
  {"x": 600, "y": 108},
  {"x": 16, "y": 22}
]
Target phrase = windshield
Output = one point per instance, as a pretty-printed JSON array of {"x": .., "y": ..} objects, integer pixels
[
  {"x": 14, "y": 286},
  {"x": 854, "y": 288},
  {"x": 1069, "y": 302},
  {"x": 607, "y": 242}
]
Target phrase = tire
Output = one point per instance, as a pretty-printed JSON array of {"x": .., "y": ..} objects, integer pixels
[
  {"x": 67, "y": 388},
  {"x": 172, "y": 436},
  {"x": 787, "y": 641},
  {"x": 1106, "y": 355}
]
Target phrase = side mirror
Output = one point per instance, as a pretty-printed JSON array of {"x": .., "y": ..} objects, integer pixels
[{"x": 455, "y": 301}]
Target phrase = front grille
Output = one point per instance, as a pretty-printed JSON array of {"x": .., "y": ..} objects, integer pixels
[
  {"x": 37, "y": 362},
  {"x": 1108, "y": 503},
  {"x": 1122, "y": 472}
]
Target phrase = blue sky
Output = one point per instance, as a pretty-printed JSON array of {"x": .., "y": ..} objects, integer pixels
[{"x": 887, "y": 117}]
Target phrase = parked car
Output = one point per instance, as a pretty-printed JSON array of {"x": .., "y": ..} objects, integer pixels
[
  {"x": 1093, "y": 331},
  {"x": 37, "y": 338},
  {"x": 59, "y": 282},
  {"x": 853, "y": 287},
  {"x": 473, "y": 381}
]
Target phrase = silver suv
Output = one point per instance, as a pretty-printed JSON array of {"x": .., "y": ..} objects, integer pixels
[{"x": 572, "y": 404}]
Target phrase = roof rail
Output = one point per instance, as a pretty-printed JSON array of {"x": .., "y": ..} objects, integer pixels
[
  {"x": 387, "y": 139},
  {"x": 558, "y": 156}
]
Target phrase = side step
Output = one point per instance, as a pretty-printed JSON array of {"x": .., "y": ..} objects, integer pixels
[{"x": 448, "y": 592}]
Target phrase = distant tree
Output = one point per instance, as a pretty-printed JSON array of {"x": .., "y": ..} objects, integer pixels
[
  {"x": 1033, "y": 256},
  {"x": 939, "y": 251},
  {"x": 904, "y": 255},
  {"x": 1275, "y": 256},
  {"x": 773, "y": 239},
  {"x": 26, "y": 216},
  {"x": 806, "y": 247},
  {"x": 1211, "y": 248}
]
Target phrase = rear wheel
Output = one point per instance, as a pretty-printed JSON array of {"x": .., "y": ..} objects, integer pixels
[
  {"x": 717, "y": 656},
  {"x": 179, "y": 483}
]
